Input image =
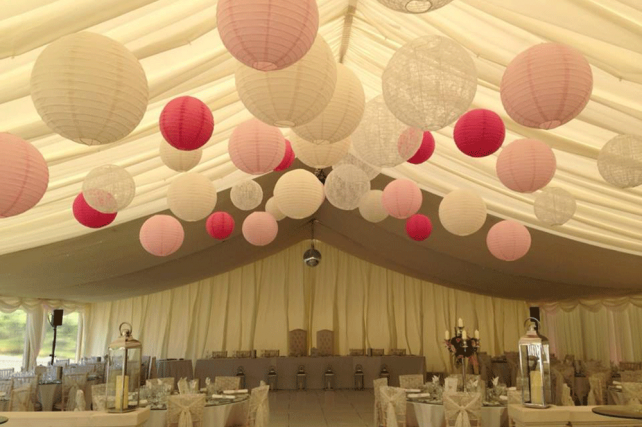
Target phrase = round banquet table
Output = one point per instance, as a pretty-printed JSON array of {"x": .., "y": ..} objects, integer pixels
[
  {"x": 3, "y": 419},
  {"x": 174, "y": 368},
  {"x": 432, "y": 415},
  {"x": 229, "y": 414},
  {"x": 619, "y": 411}
]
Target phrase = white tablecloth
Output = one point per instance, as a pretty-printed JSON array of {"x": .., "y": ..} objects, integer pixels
[
  {"x": 429, "y": 415},
  {"x": 233, "y": 414}
]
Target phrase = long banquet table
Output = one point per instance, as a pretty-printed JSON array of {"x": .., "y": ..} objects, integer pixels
[
  {"x": 231, "y": 414},
  {"x": 286, "y": 368}
]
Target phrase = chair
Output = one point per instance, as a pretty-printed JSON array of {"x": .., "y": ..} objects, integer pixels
[
  {"x": 144, "y": 369},
  {"x": 393, "y": 404},
  {"x": 98, "y": 397},
  {"x": 598, "y": 383},
  {"x": 631, "y": 376},
  {"x": 185, "y": 410},
  {"x": 357, "y": 352},
  {"x": 61, "y": 362},
  {"x": 411, "y": 381},
  {"x": 6, "y": 373},
  {"x": 512, "y": 358},
  {"x": 632, "y": 393},
  {"x": 325, "y": 342},
  {"x": 377, "y": 352},
  {"x": 259, "y": 413},
  {"x": 20, "y": 399},
  {"x": 239, "y": 354},
  {"x": 298, "y": 343},
  {"x": 70, "y": 384},
  {"x": 485, "y": 367},
  {"x": 6, "y": 385},
  {"x": 31, "y": 381},
  {"x": 227, "y": 383},
  {"x": 378, "y": 414},
  {"x": 462, "y": 409},
  {"x": 630, "y": 366}
]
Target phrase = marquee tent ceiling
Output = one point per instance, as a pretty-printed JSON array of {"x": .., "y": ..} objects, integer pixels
[{"x": 46, "y": 253}]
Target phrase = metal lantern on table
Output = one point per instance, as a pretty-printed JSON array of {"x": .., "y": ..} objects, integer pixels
[
  {"x": 241, "y": 374},
  {"x": 384, "y": 373},
  {"x": 358, "y": 378},
  {"x": 328, "y": 379},
  {"x": 301, "y": 378},
  {"x": 123, "y": 371},
  {"x": 535, "y": 368},
  {"x": 271, "y": 378}
]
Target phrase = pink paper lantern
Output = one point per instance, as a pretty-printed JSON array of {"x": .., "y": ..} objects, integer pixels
[
  {"x": 526, "y": 165},
  {"x": 401, "y": 198},
  {"x": 546, "y": 86},
  {"x": 267, "y": 34},
  {"x": 418, "y": 227},
  {"x": 256, "y": 148},
  {"x": 288, "y": 158},
  {"x": 24, "y": 175},
  {"x": 90, "y": 217},
  {"x": 425, "y": 151},
  {"x": 186, "y": 123},
  {"x": 220, "y": 225},
  {"x": 479, "y": 133},
  {"x": 508, "y": 240},
  {"x": 260, "y": 228},
  {"x": 161, "y": 235}
]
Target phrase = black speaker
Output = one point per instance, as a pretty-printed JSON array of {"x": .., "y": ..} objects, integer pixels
[
  {"x": 56, "y": 319},
  {"x": 534, "y": 312}
]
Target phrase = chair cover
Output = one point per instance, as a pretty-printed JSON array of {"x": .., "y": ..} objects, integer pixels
[
  {"x": 70, "y": 384},
  {"x": 377, "y": 384},
  {"x": 227, "y": 383},
  {"x": 631, "y": 376},
  {"x": 598, "y": 382},
  {"x": 632, "y": 393},
  {"x": 98, "y": 396},
  {"x": 393, "y": 402},
  {"x": 411, "y": 381},
  {"x": 630, "y": 366},
  {"x": 462, "y": 409},
  {"x": 514, "y": 397},
  {"x": 185, "y": 410},
  {"x": 81, "y": 403},
  {"x": 259, "y": 414},
  {"x": 485, "y": 367},
  {"x": 567, "y": 400},
  {"x": 298, "y": 343},
  {"x": 6, "y": 385},
  {"x": 512, "y": 358},
  {"x": 20, "y": 399},
  {"x": 28, "y": 380},
  {"x": 325, "y": 342}
]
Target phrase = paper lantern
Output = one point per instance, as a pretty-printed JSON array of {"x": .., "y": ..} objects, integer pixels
[
  {"x": 620, "y": 161},
  {"x": 402, "y": 198},
  {"x": 352, "y": 158},
  {"x": 220, "y": 225},
  {"x": 260, "y": 228},
  {"x": 288, "y": 158},
  {"x": 342, "y": 115},
  {"x": 462, "y": 212},
  {"x": 294, "y": 95},
  {"x": 109, "y": 188},
  {"x": 508, "y": 240},
  {"x": 191, "y": 197},
  {"x": 272, "y": 208},
  {"x": 320, "y": 156},
  {"x": 161, "y": 235},
  {"x": 24, "y": 175},
  {"x": 371, "y": 206},
  {"x": 298, "y": 194},
  {"x": 256, "y": 148},
  {"x": 266, "y": 34},
  {"x": 546, "y": 86},
  {"x": 179, "y": 160},
  {"x": 186, "y": 123},
  {"x": 345, "y": 186},
  {"x": 88, "y": 216},
  {"x": 246, "y": 195},
  {"x": 414, "y": 6},
  {"x": 418, "y": 227},
  {"x": 526, "y": 165},
  {"x": 479, "y": 133},
  {"x": 377, "y": 138},
  {"x": 89, "y": 88},
  {"x": 429, "y": 82},
  {"x": 554, "y": 206},
  {"x": 425, "y": 151}
]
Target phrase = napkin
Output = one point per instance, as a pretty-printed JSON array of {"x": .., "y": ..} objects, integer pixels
[
  {"x": 182, "y": 386},
  {"x": 435, "y": 379},
  {"x": 207, "y": 381},
  {"x": 221, "y": 396},
  {"x": 617, "y": 383},
  {"x": 412, "y": 390},
  {"x": 418, "y": 395},
  {"x": 235, "y": 391},
  {"x": 495, "y": 381},
  {"x": 502, "y": 397}
]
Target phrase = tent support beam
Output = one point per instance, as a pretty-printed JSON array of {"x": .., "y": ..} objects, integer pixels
[{"x": 347, "y": 29}]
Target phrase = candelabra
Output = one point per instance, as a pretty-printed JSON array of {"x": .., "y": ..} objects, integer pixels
[{"x": 462, "y": 348}]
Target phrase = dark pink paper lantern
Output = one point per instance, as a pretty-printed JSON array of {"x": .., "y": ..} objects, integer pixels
[
  {"x": 90, "y": 217},
  {"x": 526, "y": 165},
  {"x": 220, "y": 225},
  {"x": 161, "y": 235},
  {"x": 401, "y": 198},
  {"x": 186, "y": 123},
  {"x": 418, "y": 227},
  {"x": 508, "y": 240},
  {"x": 479, "y": 133},
  {"x": 425, "y": 151},
  {"x": 288, "y": 158},
  {"x": 260, "y": 228}
]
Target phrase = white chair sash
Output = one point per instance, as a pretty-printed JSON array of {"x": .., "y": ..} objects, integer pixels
[
  {"x": 184, "y": 410},
  {"x": 185, "y": 417},
  {"x": 391, "y": 417},
  {"x": 80, "y": 401},
  {"x": 259, "y": 413},
  {"x": 462, "y": 407},
  {"x": 393, "y": 400}
]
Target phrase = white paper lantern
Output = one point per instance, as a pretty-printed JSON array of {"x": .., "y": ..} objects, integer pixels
[
  {"x": 345, "y": 186},
  {"x": 298, "y": 194},
  {"x": 191, "y": 197},
  {"x": 352, "y": 158},
  {"x": 272, "y": 208},
  {"x": 414, "y": 6},
  {"x": 179, "y": 160},
  {"x": 246, "y": 195},
  {"x": 620, "y": 161},
  {"x": 319, "y": 156},
  {"x": 429, "y": 82},
  {"x": 89, "y": 88},
  {"x": 462, "y": 212},
  {"x": 342, "y": 115},
  {"x": 554, "y": 206},
  {"x": 109, "y": 188},
  {"x": 378, "y": 140},
  {"x": 371, "y": 207},
  {"x": 294, "y": 95}
]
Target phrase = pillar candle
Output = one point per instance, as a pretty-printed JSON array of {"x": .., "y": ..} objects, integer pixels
[
  {"x": 446, "y": 335},
  {"x": 464, "y": 335},
  {"x": 476, "y": 334},
  {"x": 536, "y": 387},
  {"x": 122, "y": 392},
  {"x": 460, "y": 323}
]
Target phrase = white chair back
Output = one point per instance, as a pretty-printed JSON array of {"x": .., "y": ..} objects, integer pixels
[
  {"x": 632, "y": 393},
  {"x": 462, "y": 409},
  {"x": 259, "y": 413},
  {"x": 98, "y": 397},
  {"x": 393, "y": 402},
  {"x": 411, "y": 381},
  {"x": 185, "y": 410},
  {"x": 20, "y": 399},
  {"x": 227, "y": 383},
  {"x": 378, "y": 414},
  {"x": 631, "y": 376},
  {"x": 31, "y": 381},
  {"x": 70, "y": 384},
  {"x": 6, "y": 373}
]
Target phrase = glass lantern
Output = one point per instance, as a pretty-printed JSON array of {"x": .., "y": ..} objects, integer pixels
[
  {"x": 384, "y": 373},
  {"x": 328, "y": 379},
  {"x": 358, "y": 378},
  {"x": 123, "y": 371},
  {"x": 535, "y": 368},
  {"x": 241, "y": 374},
  {"x": 271, "y": 378},
  {"x": 301, "y": 377}
]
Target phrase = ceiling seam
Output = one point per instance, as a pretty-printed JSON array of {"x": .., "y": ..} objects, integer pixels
[{"x": 347, "y": 29}]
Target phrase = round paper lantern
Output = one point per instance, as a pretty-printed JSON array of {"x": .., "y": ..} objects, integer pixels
[
  {"x": 256, "y": 148},
  {"x": 260, "y": 228},
  {"x": 294, "y": 95},
  {"x": 272, "y": 208},
  {"x": 352, "y": 158},
  {"x": 161, "y": 235},
  {"x": 288, "y": 158},
  {"x": 191, "y": 197},
  {"x": 546, "y": 86},
  {"x": 414, "y": 6},
  {"x": 24, "y": 175},
  {"x": 462, "y": 212},
  {"x": 371, "y": 206},
  {"x": 620, "y": 161},
  {"x": 508, "y": 240},
  {"x": 298, "y": 194},
  {"x": 88, "y": 216},
  {"x": 526, "y": 165},
  {"x": 186, "y": 123},
  {"x": 377, "y": 138},
  {"x": 220, "y": 225},
  {"x": 246, "y": 195},
  {"x": 109, "y": 188},
  {"x": 89, "y": 88},
  {"x": 402, "y": 198},
  {"x": 345, "y": 186},
  {"x": 554, "y": 206},
  {"x": 418, "y": 227},
  {"x": 425, "y": 151},
  {"x": 320, "y": 156},
  {"x": 342, "y": 115},
  {"x": 479, "y": 133},
  {"x": 266, "y": 34},
  {"x": 179, "y": 160},
  {"x": 429, "y": 82}
]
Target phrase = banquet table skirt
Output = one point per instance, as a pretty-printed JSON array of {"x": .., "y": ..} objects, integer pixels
[
  {"x": 175, "y": 368},
  {"x": 233, "y": 414},
  {"x": 429, "y": 415}
]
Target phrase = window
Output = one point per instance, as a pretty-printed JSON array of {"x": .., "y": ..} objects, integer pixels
[
  {"x": 13, "y": 328},
  {"x": 65, "y": 340}
]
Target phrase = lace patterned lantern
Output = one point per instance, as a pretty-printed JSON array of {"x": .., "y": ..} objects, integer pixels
[
  {"x": 508, "y": 240},
  {"x": 246, "y": 195},
  {"x": 414, "y": 6},
  {"x": 353, "y": 159},
  {"x": 462, "y": 212},
  {"x": 345, "y": 186},
  {"x": 359, "y": 378},
  {"x": 371, "y": 207},
  {"x": 301, "y": 378},
  {"x": 179, "y": 160},
  {"x": 328, "y": 379},
  {"x": 298, "y": 194},
  {"x": 191, "y": 197},
  {"x": 535, "y": 368},
  {"x": 554, "y": 206},
  {"x": 256, "y": 148},
  {"x": 320, "y": 156},
  {"x": 123, "y": 371},
  {"x": 620, "y": 161},
  {"x": 109, "y": 188},
  {"x": 272, "y": 378},
  {"x": 526, "y": 165}
]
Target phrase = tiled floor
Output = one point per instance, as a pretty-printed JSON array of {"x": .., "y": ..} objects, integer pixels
[{"x": 317, "y": 408}]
